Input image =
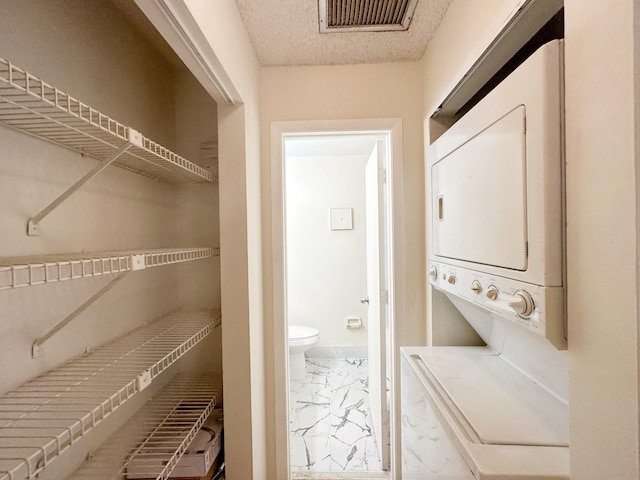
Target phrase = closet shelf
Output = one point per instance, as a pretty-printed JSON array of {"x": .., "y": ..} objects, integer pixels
[
  {"x": 29, "y": 104},
  {"x": 36, "y": 270},
  {"x": 151, "y": 443},
  {"x": 45, "y": 416}
]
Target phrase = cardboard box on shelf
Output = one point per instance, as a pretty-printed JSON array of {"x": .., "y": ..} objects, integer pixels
[
  {"x": 198, "y": 461},
  {"x": 210, "y": 474},
  {"x": 202, "y": 451}
]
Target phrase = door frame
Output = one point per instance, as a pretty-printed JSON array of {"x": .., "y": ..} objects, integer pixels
[{"x": 396, "y": 278}]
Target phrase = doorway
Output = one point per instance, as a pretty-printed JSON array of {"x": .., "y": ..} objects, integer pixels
[{"x": 334, "y": 271}]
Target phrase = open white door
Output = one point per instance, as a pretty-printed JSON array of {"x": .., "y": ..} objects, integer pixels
[{"x": 377, "y": 294}]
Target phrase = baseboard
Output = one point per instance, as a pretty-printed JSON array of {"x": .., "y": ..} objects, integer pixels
[{"x": 356, "y": 351}]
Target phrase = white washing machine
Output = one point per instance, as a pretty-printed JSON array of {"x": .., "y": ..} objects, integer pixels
[
  {"x": 496, "y": 252},
  {"x": 467, "y": 414}
]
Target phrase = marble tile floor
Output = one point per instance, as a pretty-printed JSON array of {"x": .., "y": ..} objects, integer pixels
[{"x": 330, "y": 425}]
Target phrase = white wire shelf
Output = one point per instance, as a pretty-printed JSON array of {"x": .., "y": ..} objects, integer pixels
[
  {"x": 37, "y": 270},
  {"x": 151, "y": 443},
  {"x": 29, "y": 104},
  {"x": 45, "y": 416}
]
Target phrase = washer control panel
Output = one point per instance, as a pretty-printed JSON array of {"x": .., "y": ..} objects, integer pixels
[{"x": 539, "y": 309}]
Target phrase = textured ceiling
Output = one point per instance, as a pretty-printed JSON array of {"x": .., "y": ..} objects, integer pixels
[{"x": 286, "y": 32}]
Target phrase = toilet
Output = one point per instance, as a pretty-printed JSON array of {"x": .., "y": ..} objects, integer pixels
[{"x": 301, "y": 339}]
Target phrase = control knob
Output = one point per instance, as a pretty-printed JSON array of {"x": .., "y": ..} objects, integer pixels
[
  {"x": 522, "y": 303},
  {"x": 433, "y": 273},
  {"x": 476, "y": 287},
  {"x": 492, "y": 293},
  {"x": 452, "y": 279}
]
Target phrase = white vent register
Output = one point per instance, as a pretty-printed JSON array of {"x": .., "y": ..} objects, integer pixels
[{"x": 365, "y": 15}]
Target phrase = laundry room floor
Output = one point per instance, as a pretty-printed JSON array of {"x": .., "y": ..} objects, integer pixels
[{"x": 330, "y": 423}]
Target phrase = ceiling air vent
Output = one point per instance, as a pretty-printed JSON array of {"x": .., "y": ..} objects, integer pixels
[{"x": 365, "y": 15}]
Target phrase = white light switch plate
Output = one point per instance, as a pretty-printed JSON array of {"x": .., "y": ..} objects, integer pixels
[{"x": 341, "y": 218}]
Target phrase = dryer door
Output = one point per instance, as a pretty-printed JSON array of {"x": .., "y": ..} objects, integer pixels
[{"x": 480, "y": 196}]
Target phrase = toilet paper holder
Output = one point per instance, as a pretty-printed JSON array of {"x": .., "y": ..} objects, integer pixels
[{"x": 354, "y": 322}]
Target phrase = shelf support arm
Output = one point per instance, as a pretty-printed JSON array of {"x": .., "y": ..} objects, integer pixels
[
  {"x": 37, "y": 345},
  {"x": 33, "y": 225}
]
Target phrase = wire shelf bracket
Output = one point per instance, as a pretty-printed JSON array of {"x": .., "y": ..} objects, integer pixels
[
  {"x": 36, "y": 347},
  {"x": 33, "y": 226},
  {"x": 29, "y": 271},
  {"x": 34, "y": 107}
]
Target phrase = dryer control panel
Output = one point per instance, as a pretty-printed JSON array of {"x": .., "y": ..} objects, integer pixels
[{"x": 539, "y": 309}]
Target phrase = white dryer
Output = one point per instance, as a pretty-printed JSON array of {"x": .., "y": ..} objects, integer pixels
[{"x": 495, "y": 220}]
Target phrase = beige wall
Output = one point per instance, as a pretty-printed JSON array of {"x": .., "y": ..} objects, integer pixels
[
  {"x": 240, "y": 241},
  {"x": 602, "y": 224},
  {"x": 352, "y": 92},
  {"x": 466, "y": 30},
  {"x": 198, "y": 219},
  {"x": 601, "y": 212},
  {"x": 97, "y": 61}
]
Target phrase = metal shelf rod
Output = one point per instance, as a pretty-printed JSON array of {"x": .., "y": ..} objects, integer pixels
[
  {"x": 37, "y": 345},
  {"x": 33, "y": 226}
]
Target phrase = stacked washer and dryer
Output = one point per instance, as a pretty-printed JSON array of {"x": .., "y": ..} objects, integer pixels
[{"x": 496, "y": 252}]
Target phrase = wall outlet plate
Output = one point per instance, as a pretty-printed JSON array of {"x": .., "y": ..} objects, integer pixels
[{"x": 341, "y": 218}]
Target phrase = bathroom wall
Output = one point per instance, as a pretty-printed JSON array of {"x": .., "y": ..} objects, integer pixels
[{"x": 326, "y": 269}]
